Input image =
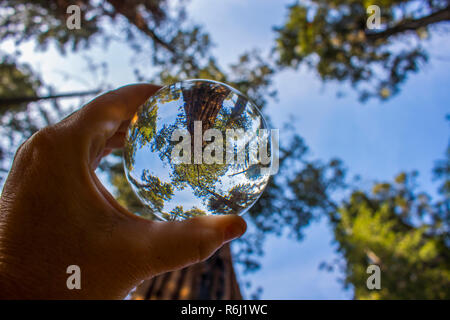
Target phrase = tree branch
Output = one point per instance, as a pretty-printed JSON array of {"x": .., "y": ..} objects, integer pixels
[
  {"x": 411, "y": 24},
  {"x": 131, "y": 14},
  {"x": 16, "y": 100}
]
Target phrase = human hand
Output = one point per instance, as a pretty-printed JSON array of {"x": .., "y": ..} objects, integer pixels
[{"x": 54, "y": 212}]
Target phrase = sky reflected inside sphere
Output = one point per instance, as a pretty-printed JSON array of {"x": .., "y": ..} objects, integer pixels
[{"x": 195, "y": 148}]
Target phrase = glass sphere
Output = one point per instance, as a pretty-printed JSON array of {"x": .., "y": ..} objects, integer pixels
[{"x": 197, "y": 147}]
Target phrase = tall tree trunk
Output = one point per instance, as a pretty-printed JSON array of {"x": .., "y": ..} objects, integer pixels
[
  {"x": 213, "y": 279},
  {"x": 203, "y": 103}
]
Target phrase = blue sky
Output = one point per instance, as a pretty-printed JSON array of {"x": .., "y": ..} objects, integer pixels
[{"x": 375, "y": 140}]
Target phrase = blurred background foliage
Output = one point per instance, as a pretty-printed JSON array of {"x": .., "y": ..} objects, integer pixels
[{"x": 402, "y": 230}]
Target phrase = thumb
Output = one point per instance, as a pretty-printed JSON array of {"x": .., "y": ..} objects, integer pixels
[{"x": 177, "y": 244}]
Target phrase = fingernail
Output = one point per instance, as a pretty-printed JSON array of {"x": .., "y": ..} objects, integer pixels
[{"x": 234, "y": 231}]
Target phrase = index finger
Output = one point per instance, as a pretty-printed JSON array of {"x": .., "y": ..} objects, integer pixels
[
  {"x": 89, "y": 129},
  {"x": 105, "y": 113}
]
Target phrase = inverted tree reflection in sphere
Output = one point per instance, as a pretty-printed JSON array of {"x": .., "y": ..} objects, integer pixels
[{"x": 195, "y": 148}]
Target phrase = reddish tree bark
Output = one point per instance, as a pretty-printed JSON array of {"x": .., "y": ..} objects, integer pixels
[{"x": 213, "y": 279}]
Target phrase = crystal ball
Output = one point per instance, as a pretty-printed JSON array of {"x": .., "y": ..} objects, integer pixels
[{"x": 197, "y": 147}]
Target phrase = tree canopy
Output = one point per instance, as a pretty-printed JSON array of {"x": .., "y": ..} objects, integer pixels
[
  {"x": 403, "y": 231},
  {"x": 333, "y": 38}
]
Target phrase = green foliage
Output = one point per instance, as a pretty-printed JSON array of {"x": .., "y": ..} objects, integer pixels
[
  {"x": 401, "y": 231},
  {"x": 16, "y": 80},
  {"x": 251, "y": 74},
  {"x": 300, "y": 193},
  {"x": 442, "y": 171},
  {"x": 17, "y": 122},
  {"x": 332, "y": 38},
  {"x": 124, "y": 194},
  {"x": 395, "y": 227},
  {"x": 44, "y": 21}
]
